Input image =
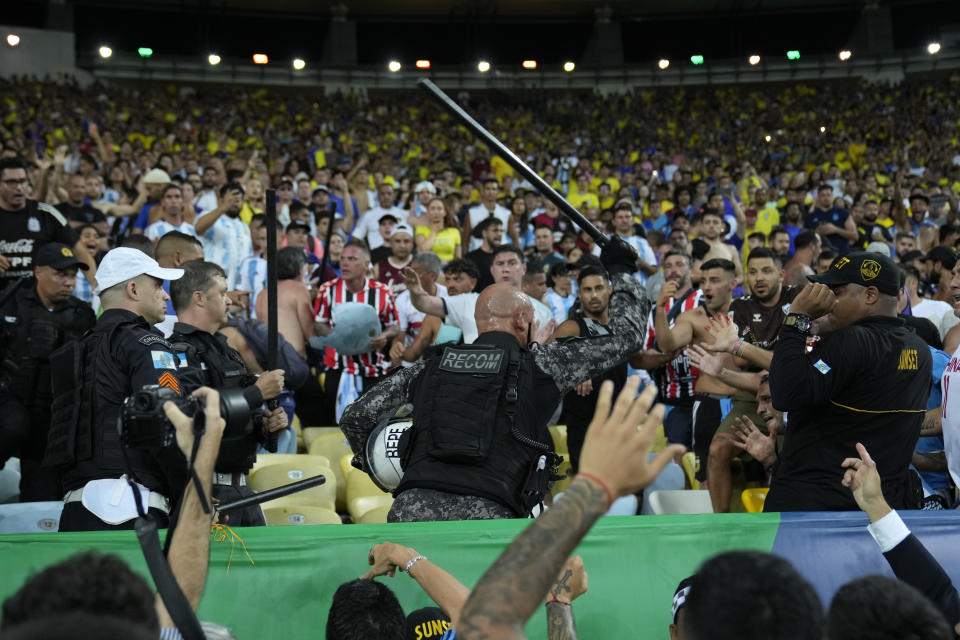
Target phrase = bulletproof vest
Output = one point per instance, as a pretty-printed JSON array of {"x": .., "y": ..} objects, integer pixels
[
  {"x": 31, "y": 334},
  {"x": 223, "y": 370},
  {"x": 84, "y": 435},
  {"x": 475, "y": 429}
]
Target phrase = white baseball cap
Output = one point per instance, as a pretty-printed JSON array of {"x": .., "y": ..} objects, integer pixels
[
  {"x": 124, "y": 263},
  {"x": 425, "y": 185},
  {"x": 156, "y": 176},
  {"x": 402, "y": 228}
]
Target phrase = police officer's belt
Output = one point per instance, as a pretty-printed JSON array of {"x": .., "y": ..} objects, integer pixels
[
  {"x": 230, "y": 479},
  {"x": 155, "y": 501}
]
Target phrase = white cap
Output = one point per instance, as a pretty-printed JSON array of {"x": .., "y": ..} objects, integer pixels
[
  {"x": 156, "y": 176},
  {"x": 124, "y": 263},
  {"x": 402, "y": 228},
  {"x": 426, "y": 184}
]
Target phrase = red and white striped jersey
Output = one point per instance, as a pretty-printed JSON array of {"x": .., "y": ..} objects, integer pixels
[
  {"x": 675, "y": 379},
  {"x": 377, "y": 295}
]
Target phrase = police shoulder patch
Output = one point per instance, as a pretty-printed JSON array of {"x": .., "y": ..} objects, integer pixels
[
  {"x": 151, "y": 339},
  {"x": 467, "y": 360},
  {"x": 821, "y": 366},
  {"x": 163, "y": 360}
]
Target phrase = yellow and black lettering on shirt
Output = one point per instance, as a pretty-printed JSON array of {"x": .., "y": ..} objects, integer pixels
[{"x": 908, "y": 360}]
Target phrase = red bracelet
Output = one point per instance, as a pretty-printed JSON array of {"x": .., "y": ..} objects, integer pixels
[{"x": 600, "y": 482}]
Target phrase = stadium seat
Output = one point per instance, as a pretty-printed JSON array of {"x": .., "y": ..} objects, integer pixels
[
  {"x": 659, "y": 441},
  {"x": 559, "y": 434},
  {"x": 563, "y": 470},
  {"x": 266, "y": 459},
  {"x": 333, "y": 445},
  {"x": 301, "y": 446},
  {"x": 293, "y": 515},
  {"x": 678, "y": 502},
  {"x": 753, "y": 499},
  {"x": 30, "y": 517},
  {"x": 363, "y": 495},
  {"x": 284, "y": 473},
  {"x": 345, "y": 467},
  {"x": 377, "y": 515},
  {"x": 310, "y": 433},
  {"x": 689, "y": 464},
  {"x": 10, "y": 481}
]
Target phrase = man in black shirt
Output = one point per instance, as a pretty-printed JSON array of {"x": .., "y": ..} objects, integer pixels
[
  {"x": 490, "y": 230},
  {"x": 867, "y": 381},
  {"x": 26, "y": 225},
  {"x": 76, "y": 211}
]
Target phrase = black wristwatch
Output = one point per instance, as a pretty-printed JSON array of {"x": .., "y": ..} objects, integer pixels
[{"x": 799, "y": 322}]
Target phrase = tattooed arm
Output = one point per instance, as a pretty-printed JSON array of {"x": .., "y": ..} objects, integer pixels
[
  {"x": 613, "y": 463},
  {"x": 571, "y": 583}
]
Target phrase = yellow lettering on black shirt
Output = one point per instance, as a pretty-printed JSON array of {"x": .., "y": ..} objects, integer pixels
[{"x": 908, "y": 360}]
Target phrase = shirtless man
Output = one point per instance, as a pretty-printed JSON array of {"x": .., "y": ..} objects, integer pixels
[
  {"x": 294, "y": 308},
  {"x": 711, "y": 225},
  {"x": 718, "y": 280},
  {"x": 807, "y": 251}
]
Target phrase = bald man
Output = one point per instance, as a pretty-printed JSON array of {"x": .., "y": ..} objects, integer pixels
[{"x": 479, "y": 447}]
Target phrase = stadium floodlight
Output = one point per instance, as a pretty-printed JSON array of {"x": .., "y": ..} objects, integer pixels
[
  {"x": 754, "y": 59},
  {"x": 483, "y": 66},
  {"x": 422, "y": 64},
  {"x": 569, "y": 66},
  {"x": 213, "y": 59},
  {"x": 933, "y": 48},
  {"x": 823, "y": 129},
  {"x": 529, "y": 64},
  {"x": 697, "y": 59},
  {"x": 105, "y": 52},
  {"x": 260, "y": 58},
  {"x": 13, "y": 39},
  {"x": 663, "y": 63},
  {"x": 793, "y": 54},
  {"x": 299, "y": 64},
  {"x": 767, "y": 137},
  {"x": 145, "y": 52},
  {"x": 394, "y": 66},
  {"x": 845, "y": 55}
]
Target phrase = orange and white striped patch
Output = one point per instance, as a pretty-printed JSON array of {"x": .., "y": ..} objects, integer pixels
[{"x": 170, "y": 381}]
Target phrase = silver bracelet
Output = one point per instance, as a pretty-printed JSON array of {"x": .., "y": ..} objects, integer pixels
[{"x": 413, "y": 561}]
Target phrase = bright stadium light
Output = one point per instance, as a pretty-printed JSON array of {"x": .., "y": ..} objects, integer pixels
[
  {"x": 483, "y": 66},
  {"x": 663, "y": 64},
  {"x": 697, "y": 59},
  {"x": 299, "y": 64},
  {"x": 569, "y": 66},
  {"x": 145, "y": 52},
  {"x": 13, "y": 40},
  {"x": 933, "y": 48},
  {"x": 845, "y": 55},
  {"x": 767, "y": 137},
  {"x": 394, "y": 66},
  {"x": 105, "y": 52},
  {"x": 754, "y": 59},
  {"x": 213, "y": 59},
  {"x": 529, "y": 64},
  {"x": 422, "y": 64},
  {"x": 793, "y": 54},
  {"x": 260, "y": 58},
  {"x": 823, "y": 129}
]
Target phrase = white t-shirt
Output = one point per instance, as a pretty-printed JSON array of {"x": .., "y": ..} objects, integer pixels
[
  {"x": 479, "y": 213},
  {"x": 368, "y": 227},
  {"x": 410, "y": 317},
  {"x": 950, "y": 412},
  {"x": 938, "y": 312},
  {"x": 160, "y": 228},
  {"x": 461, "y": 308}
]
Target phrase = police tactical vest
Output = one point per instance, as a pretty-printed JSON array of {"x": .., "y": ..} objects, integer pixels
[{"x": 475, "y": 428}]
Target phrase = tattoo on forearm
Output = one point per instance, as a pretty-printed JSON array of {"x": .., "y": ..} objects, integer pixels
[
  {"x": 516, "y": 584},
  {"x": 561, "y": 585},
  {"x": 560, "y": 624}
]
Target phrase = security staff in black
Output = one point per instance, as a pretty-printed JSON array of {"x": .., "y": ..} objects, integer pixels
[
  {"x": 479, "y": 445},
  {"x": 90, "y": 380},
  {"x": 200, "y": 300},
  {"x": 867, "y": 381},
  {"x": 40, "y": 316}
]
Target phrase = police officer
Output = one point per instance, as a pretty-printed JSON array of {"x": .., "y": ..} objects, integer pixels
[
  {"x": 90, "y": 380},
  {"x": 200, "y": 300},
  {"x": 867, "y": 381},
  {"x": 39, "y": 317},
  {"x": 479, "y": 445}
]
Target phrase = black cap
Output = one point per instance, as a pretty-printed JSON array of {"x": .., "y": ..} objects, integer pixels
[
  {"x": 680, "y": 596},
  {"x": 429, "y": 622},
  {"x": 483, "y": 224},
  {"x": 388, "y": 216},
  {"x": 57, "y": 256},
  {"x": 296, "y": 224},
  {"x": 864, "y": 269},
  {"x": 944, "y": 255}
]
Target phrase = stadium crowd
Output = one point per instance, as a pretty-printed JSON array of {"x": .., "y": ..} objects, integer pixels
[{"x": 794, "y": 293}]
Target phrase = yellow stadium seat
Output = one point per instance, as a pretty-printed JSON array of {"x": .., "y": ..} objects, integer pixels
[
  {"x": 363, "y": 495},
  {"x": 266, "y": 459},
  {"x": 284, "y": 473},
  {"x": 559, "y": 434},
  {"x": 333, "y": 446},
  {"x": 563, "y": 470},
  {"x": 753, "y": 499},
  {"x": 659, "y": 441},
  {"x": 689, "y": 464},
  {"x": 293, "y": 515},
  {"x": 377, "y": 515},
  {"x": 309, "y": 433},
  {"x": 296, "y": 427},
  {"x": 345, "y": 467}
]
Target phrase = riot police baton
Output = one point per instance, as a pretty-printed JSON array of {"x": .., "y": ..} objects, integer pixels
[
  {"x": 272, "y": 338},
  {"x": 514, "y": 161},
  {"x": 271, "y": 494}
]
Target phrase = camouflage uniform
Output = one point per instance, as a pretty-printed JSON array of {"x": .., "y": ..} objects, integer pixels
[{"x": 567, "y": 361}]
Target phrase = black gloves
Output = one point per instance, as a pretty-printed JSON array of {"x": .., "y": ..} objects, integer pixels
[{"x": 618, "y": 257}]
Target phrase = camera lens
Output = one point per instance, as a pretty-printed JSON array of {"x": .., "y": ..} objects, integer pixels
[{"x": 143, "y": 401}]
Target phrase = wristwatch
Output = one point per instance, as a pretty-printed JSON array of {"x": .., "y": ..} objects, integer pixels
[{"x": 799, "y": 322}]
